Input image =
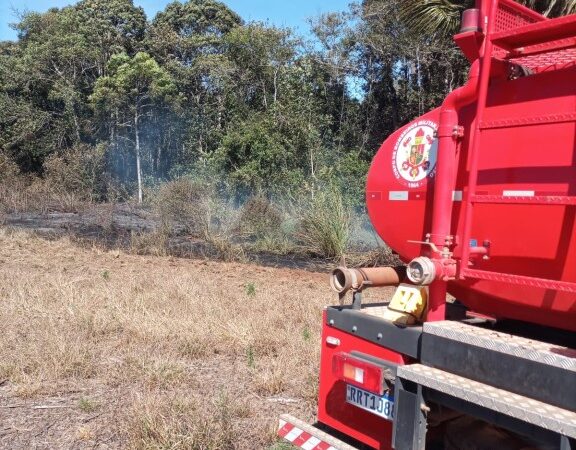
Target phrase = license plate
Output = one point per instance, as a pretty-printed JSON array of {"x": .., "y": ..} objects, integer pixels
[{"x": 382, "y": 406}]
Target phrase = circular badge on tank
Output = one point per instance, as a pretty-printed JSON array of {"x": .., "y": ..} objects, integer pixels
[{"x": 414, "y": 155}]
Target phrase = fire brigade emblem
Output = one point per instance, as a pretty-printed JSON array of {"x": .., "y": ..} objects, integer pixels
[{"x": 414, "y": 156}]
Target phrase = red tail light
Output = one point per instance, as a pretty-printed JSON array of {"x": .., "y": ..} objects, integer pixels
[{"x": 358, "y": 372}]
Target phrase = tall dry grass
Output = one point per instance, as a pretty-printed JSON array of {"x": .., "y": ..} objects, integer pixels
[
  {"x": 69, "y": 183},
  {"x": 319, "y": 225},
  {"x": 194, "y": 207},
  {"x": 325, "y": 224},
  {"x": 183, "y": 354}
]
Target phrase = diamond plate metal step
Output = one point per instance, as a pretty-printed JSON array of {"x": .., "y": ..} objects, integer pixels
[
  {"x": 528, "y": 410},
  {"x": 542, "y": 352}
]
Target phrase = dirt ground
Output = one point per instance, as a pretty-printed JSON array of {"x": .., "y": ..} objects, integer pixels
[{"x": 102, "y": 349}]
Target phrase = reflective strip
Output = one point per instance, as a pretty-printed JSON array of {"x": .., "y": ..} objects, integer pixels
[
  {"x": 302, "y": 439},
  {"x": 518, "y": 193},
  {"x": 457, "y": 196},
  {"x": 285, "y": 428},
  {"x": 308, "y": 439},
  {"x": 293, "y": 434},
  {"x": 311, "y": 443},
  {"x": 398, "y": 195}
]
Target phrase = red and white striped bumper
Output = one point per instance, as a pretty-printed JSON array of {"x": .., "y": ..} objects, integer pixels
[{"x": 308, "y": 437}]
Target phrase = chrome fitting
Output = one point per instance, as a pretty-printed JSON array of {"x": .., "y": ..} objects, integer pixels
[{"x": 421, "y": 271}]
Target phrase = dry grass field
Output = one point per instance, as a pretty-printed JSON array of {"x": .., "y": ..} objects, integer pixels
[{"x": 102, "y": 349}]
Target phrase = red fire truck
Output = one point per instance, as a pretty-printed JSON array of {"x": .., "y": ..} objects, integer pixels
[{"x": 478, "y": 198}]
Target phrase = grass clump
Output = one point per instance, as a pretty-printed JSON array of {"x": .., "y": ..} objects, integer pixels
[
  {"x": 259, "y": 217},
  {"x": 182, "y": 205},
  {"x": 149, "y": 243},
  {"x": 68, "y": 183},
  {"x": 250, "y": 289},
  {"x": 320, "y": 224},
  {"x": 325, "y": 224},
  {"x": 263, "y": 226},
  {"x": 87, "y": 405}
]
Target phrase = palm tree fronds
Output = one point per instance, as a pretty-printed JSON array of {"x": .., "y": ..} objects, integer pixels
[
  {"x": 433, "y": 16},
  {"x": 443, "y": 16},
  {"x": 552, "y": 8}
]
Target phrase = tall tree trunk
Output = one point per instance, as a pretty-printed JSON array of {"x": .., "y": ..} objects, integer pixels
[
  {"x": 391, "y": 91},
  {"x": 158, "y": 164},
  {"x": 138, "y": 165},
  {"x": 264, "y": 100},
  {"x": 76, "y": 124},
  {"x": 341, "y": 122},
  {"x": 276, "y": 85},
  {"x": 112, "y": 152},
  {"x": 219, "y": 123}
]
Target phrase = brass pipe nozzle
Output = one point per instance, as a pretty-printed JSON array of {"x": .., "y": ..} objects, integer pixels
[{"x": 343, "y": 279}]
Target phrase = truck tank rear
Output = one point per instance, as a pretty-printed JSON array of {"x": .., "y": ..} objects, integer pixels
[
  {"x": 526, "y": 164},
  {"x": 478, "y": 197}
]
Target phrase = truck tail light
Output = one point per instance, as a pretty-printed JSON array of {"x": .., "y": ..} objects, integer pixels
[{"x": 358, "y": 372}]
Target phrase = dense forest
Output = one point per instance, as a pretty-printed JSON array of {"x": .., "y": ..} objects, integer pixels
[{"x": 128, "y": 101}]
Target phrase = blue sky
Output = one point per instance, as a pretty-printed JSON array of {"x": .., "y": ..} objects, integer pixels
[{"x": 291, "y": 13}]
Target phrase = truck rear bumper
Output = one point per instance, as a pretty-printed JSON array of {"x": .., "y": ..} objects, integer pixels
[
  {"x": 525, "y": 383},
  {"x": 308, "y": 437}
]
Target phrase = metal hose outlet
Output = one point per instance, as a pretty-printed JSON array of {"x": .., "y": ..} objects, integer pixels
[
  {"x": 343, "y": 279},
  {"x": 421, "y": 271}
]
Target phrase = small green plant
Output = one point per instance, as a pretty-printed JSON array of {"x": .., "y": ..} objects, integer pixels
[
  {"x": 87, "y": 405},
  {"x": 306, "y": 334},
  {"x": 106, "y": 275},
  {"x": 250, "y": 289},
  {"x": 250, "y": 357}
]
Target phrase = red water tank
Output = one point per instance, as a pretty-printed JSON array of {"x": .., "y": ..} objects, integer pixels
[{"x": 528, "y": 149}]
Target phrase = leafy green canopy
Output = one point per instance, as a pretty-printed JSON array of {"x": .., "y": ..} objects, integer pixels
[
  {"x": 132, "y": 83},
  {"x": 196, "y": 90}
]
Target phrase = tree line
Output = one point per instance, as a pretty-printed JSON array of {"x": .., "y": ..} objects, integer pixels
[{"x": 198, "y": 91}]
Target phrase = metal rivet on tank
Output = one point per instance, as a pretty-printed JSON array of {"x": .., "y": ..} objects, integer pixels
[
  {"x": 331, "y": 322},
  {"x": 379, "y": 336},
  {"x": 354, "y": 328}
]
